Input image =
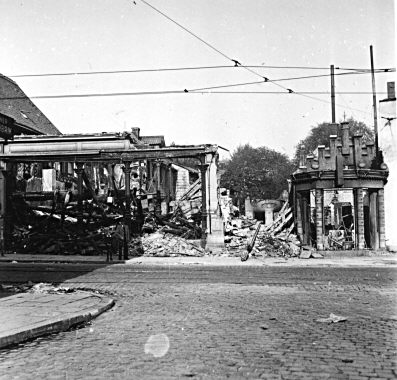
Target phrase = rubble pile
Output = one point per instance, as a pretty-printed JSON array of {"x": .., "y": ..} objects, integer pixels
[
  {"x": 277, "y": 239},
  {"x": 237, "y": 232},
  {"x": 273, "y": 240},
  {"x": 174, "y": 224},
  {"x": 52, "y": 228},
  {"x": 268, "y": 245},
  {"x": 46, "y": 234},
  {"x": 163, "y": 244}
]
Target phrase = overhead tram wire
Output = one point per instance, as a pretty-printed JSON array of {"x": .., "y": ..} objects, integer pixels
[
  {"x": 224, "y": 86},
  {"x": 274, "y": 80},
  {"x": 187, "y": 30},
  {"x": 132, "y": 71},
  {"x": 95, "y": 95},
  {"x": 177, "y": 92},
  {"x": 237, "y": 63},
  {"x": 173, "y": 92}
]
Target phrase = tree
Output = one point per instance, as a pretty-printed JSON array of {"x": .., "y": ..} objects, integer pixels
[
  {"x": 260, "y": 173},
  {"x": 319, "y": 135}
]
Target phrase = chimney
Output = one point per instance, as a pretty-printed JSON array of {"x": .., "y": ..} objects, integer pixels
[
  {"x": 136, "y": 132},
  {"x": 391, "y": 91},
  {"x": 302, "y": 157},
  {"x": 345, "y": 138}
]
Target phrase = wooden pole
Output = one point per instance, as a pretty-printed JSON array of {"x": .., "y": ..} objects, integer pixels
[
  {"x": 374, "y": 103},
  {"x": 333, "y": 93}
]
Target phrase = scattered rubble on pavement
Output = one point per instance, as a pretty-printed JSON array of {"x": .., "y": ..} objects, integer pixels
[
  {"x": 274, "y": 240},
  {"x": 333, "y": 318},
  {"x": 163, "y": 244}
]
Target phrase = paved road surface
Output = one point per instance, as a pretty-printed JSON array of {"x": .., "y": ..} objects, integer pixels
[{"x": 219, "y": 322}]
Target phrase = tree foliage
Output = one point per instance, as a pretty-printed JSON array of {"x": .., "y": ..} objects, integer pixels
[
  {"x": 319, "y": 135},
  {"x": 260, "y": 173}
]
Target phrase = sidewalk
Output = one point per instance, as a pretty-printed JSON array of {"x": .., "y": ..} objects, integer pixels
[
  {"x": 28, "y": 315},
  {"x": 338, "y": 261}
]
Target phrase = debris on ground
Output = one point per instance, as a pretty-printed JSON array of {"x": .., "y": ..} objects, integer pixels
[
  {"x": 15, "y": 288},
  {"x": 164, "y": 244},
  {"x": 53, "y": 229},
  {"x": 273, "y": 240},
  {"x": 47, "y": 288},
  {"x": 333, "y": 318}
]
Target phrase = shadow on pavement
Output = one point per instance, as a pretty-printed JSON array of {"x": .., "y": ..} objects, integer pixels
[{"x": 20, "y": 273}]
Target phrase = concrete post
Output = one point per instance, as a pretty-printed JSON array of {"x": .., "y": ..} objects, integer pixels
[
  {"x": 299, "y": 225},
  {"x": 381, "y": 221},
  {"x": 360, "y": 218},
  {"x": 249, "y": 211},
  {"x": 170, "y": 186},
  {"x": 319, "y": 218},
  {"x": 204, "y": 211},
  {"x": 306, "y": 219},
  {"x": 373, "y": 219},
  {"x": 158, "y": 188}
]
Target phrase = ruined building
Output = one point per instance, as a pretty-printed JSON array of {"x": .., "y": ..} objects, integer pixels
[{"x": 339, "y": 195}]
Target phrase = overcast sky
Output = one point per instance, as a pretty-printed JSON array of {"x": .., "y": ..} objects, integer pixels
[{"x": 53, "y": 36}]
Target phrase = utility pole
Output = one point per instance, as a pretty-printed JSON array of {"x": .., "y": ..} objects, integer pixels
[
  {"x": 333, "y": 93},
  {"x": 374, "y": 103}
]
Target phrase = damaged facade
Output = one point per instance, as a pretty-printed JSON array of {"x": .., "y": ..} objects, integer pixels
[
  {"x": 86, "y": 177},
  {"x": 63, "y": 193},
  {"x": 339, "y": 195}
]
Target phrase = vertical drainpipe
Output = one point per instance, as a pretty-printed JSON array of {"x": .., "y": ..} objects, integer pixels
[{"x": 79, "y": 171}]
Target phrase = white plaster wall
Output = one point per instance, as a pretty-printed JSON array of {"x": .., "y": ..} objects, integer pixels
[{"x": 182, "y": 181}]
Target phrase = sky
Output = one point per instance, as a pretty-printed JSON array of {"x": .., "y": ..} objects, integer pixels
[{"x": 75, "y": 36}]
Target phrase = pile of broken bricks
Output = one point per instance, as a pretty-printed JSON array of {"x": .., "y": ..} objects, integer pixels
[
  {"x": 273, "y": 240},
  {"x": 163, "y": 244}
]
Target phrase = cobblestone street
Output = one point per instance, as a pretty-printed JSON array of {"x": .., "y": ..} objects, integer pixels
[{"x": 224, "y": 322}]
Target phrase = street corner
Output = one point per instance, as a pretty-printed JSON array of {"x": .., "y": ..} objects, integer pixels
[{"x": 45, "y": 309}]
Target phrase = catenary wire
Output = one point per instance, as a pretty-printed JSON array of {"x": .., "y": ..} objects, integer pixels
[
  {"x": 274, "y": 80},
  {"x": 236, "y": 62},
  {"x": 170, "y": 92},
  {"x": 303, "y": 94},
  {"x": 187, "y": 30},
  {"x": 132, "y": 71}
]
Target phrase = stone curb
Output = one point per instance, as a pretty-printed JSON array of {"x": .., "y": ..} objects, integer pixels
[
  {"x": 56, "y": 325},
  {"x": 52, "y": 260},
  {"x": 380, "y": 261}
]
